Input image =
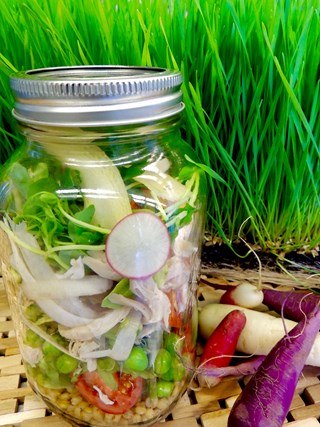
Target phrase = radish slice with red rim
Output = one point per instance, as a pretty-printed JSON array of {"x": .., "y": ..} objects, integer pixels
[{"x": 138, "y": 245}]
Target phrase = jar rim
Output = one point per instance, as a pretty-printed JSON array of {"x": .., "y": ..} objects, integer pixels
[{"x": 96, "y": 95}]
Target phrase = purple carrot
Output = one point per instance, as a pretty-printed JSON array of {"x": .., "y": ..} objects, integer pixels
[
  {"x": 293, "y": 304},
  {"x": 266, "y": 400}
]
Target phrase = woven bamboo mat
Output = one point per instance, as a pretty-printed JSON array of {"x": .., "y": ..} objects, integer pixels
[{"x": 20, "y": 407}]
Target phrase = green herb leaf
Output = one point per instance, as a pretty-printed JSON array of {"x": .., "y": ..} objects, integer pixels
[
  {"x": 49, "y": 184},
  {"x": 81, "y": 235},
  {"x": 122, "y": 288}
]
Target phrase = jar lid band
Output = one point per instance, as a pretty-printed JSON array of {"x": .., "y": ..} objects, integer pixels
[{"x": 96, "y": 95}]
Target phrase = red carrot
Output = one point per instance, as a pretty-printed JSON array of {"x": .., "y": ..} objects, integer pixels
[
  {"x": 221, "y": 344},
  {"x": 293, "y": 304},
  {"x": 266, "y": 399}
]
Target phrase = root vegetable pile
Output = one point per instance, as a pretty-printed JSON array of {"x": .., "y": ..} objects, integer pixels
[{"x": 275, "y": 350}]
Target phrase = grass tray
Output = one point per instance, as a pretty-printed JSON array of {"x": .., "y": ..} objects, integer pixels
[{"x": 20, "y": 407}]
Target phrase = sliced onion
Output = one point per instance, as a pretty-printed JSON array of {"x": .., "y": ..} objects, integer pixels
[
  {"x": 161, "y": 165},
  {"x": 60, "y": 315},
  {"x": 95, "y": 328},
  {"x": 163, "y": 185},
  {"x": 64, "y": 288},
  {"x": 124, "y": 342},
  {"x": 128, "y": 302},
  {"x": 36, "y": 263},
  {"x": 76, "y": 271},
  {"x": 101, "y": 267},
  {"x": 17, "y": 261},
  {"x": 79, "y": 308}
]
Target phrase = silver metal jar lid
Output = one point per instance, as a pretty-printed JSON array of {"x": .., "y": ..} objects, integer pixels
[{"x": 96, "y": 95}]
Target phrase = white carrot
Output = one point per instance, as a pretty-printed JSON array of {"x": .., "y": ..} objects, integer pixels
[{"x": 261, "y": 332}]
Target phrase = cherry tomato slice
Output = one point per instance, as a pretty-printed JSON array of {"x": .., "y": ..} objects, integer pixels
[{"x": 125, "y": 397}]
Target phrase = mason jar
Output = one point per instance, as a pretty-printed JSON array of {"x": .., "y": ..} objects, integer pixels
[{"x": 102, "y": 218}]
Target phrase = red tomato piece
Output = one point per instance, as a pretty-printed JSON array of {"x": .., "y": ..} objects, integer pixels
[{"x": 125, "y": 397}]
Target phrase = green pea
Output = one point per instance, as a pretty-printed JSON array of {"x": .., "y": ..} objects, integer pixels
[
  {"x": 162, "y": 362},
  {"x": 47, "y": 366},
  {"x": 173, "y": 343},
  {"x": 32, "y": 339},
  {"x": 177, "y": 371},
  {"x": 168, "y": 376},
  {"x": 33, "y": 312},
  {"x": 106, "y": 363},
  {"x": 66, "y": 364},
  {"x": 164, "y": 388},
  {"x": 50, "y": 350},
  {"x": 137, "y": 360}
]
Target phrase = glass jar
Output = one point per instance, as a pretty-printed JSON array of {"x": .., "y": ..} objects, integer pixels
[{"x": 103, "y": 212}]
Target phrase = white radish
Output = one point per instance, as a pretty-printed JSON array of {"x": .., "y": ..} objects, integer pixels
[
  {"x": 260, "y": 334},
  {"x": 245, "y": 295},
  {"x": 138, "y": 246}
]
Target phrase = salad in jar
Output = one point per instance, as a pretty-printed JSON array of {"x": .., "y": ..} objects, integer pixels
[{"x": 102, "y": 279}]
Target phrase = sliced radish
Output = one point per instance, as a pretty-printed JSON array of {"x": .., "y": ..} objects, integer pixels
[{"x": 138, "y": 245}]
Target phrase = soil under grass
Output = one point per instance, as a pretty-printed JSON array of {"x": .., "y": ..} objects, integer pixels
[{"x": 221, "y": 256}]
